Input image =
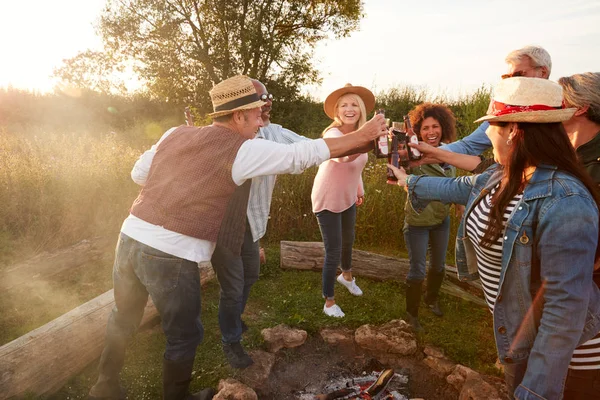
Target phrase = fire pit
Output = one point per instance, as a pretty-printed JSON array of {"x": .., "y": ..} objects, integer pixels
[{"x": 384, "y": 385}]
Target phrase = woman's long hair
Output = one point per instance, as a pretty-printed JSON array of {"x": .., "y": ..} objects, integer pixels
[
  {"x": 337, "y": 122},
  {"x": 534, "y": 144}
]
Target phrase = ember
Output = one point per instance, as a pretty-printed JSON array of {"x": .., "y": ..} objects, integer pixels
[{"x": 386, "y": 385}]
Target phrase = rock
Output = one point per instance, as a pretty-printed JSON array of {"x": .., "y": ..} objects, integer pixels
[
  {"x": 458, "y": 377},
  {"x": 388, "y": 341},
  {"x": 442, "y": 366},
  {"x": 438, "y": 362},
  {"x": 433, "y": 352},
  {"x": 499, "y": 366},
  {"x": 334, "y": 337},
  {"x": 257, "y": 375},
  {"x": 475, "y": 388},
  {"x": 283, "y": 336},
  {"x": 230, "y": 389}
]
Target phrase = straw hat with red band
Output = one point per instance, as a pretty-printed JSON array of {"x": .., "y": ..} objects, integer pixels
[
  {"x": 527, "y": 100},
  {"x": 365, "y": 94},
  {"x": 234, "y": 94}
]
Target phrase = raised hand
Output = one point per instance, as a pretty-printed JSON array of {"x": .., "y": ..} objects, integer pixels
[{"x": 400, "y": 174}]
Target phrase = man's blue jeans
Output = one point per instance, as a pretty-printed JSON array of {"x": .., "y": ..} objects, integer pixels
[
  {"x": 174, "y": 285},
  {"x": 236, "y": 275},
  {"x": 337, "y": 230},
  {"x": 417, "y": 239}
]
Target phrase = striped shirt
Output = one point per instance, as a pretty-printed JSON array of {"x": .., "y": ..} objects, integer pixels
[
  {"x": 489, "y": 264},
  {"x": 261, "y": 191}
]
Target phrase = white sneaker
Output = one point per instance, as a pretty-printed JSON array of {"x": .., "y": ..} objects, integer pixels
[
  {"x": 350, "y": 285},
  {"x": 333, "y": 311}
]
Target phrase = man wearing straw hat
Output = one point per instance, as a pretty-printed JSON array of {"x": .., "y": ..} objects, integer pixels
[{"x": 196, "y": 193}]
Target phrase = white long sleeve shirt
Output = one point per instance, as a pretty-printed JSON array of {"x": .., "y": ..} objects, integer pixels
[
  {"x": 255, "y": 157},
  {"x": 261, "y": 191}
]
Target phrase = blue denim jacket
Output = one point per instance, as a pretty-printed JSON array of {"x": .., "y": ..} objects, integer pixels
[
  {"x": 474, "y": 144},
  {"x": 555, "y": 223}
]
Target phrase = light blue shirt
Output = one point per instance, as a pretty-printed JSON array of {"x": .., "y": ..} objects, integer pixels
[{"x": 474, "y": 144}]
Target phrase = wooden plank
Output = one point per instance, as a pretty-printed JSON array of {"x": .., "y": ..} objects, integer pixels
[
  {"x": 43, "y": 360},
  {"x": 310, "y": 256}
]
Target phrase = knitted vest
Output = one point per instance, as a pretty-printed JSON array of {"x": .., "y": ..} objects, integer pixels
[{"x": 189, "y": 185}]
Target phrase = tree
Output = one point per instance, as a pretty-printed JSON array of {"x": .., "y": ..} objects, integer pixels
[
  {"x": 183, "y": 47},
  {"x": 92, "y": 70}
]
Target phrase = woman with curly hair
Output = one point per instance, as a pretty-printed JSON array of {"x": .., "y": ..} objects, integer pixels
[{"x": 434, "y": 124}]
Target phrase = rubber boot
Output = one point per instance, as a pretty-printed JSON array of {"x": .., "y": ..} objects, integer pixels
[
  {"x": 413, "y": 298},
  {"x": 434, "y": 283},
  {"x": 236, "y": 355},
  {"x": 107, "y": 386},
  {"x": 177, "y": 376}
]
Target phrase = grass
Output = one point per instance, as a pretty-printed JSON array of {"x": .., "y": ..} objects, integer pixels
[{"x": 293, "y": 298}]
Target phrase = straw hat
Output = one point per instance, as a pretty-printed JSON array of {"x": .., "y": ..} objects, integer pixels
[
  {"x": 527, "y": 100},
  {"x": 365, "y": 94},
  {"x": 233, "y": 94}
]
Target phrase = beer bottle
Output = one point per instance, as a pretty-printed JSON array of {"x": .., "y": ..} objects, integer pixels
[
  {"x": 413, "y": 153},
  {"x": 393, "y": 157},
  {"x": 400, "y": 132},
  {"x": 380, "y": 147}
]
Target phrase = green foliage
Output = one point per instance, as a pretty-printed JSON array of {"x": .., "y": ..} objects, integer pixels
[
  {"x": 86, "y": 112},
  {"x": 182, "y": 48}
]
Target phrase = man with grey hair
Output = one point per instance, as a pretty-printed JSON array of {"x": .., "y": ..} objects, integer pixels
[
  {"x": 238, "y": 273},
  {"x": 582, "y": 91},
  {"x": 529, "y": 61}
]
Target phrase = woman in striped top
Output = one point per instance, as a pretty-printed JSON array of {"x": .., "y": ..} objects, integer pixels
[{"x": 530, "y": 232}]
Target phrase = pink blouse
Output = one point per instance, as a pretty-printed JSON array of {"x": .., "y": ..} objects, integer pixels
[{"x": 338, "y": 181}]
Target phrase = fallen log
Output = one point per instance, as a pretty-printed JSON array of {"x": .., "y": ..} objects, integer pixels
[
  {"x": 310, "y": 256},
  {"x": 43, "y": 360},
  {"x": 46, "y": 265}
]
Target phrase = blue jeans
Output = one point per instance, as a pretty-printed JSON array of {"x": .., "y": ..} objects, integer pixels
[
  {"x": 337, "y": 230},
  {"x": 417, "y": 239},
  {"x": 236, "y": 275},
  {"x": 174, "y": 285}
]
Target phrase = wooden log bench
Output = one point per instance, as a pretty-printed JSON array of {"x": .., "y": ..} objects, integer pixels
[
  {"x": 42, "y": 361},
  {"x": 310, "y": 256}
]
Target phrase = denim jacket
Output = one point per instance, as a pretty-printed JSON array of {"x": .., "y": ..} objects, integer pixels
[{"x": 547, "y": 255}]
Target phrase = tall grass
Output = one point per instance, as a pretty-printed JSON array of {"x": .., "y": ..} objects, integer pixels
[
  {"x": 64, "y": 185},
  {"x": 61, "y": 188}
]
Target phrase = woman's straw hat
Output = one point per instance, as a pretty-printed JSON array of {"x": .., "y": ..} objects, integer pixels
[
  {"x": 527, "y": 100},
  {"x": 365, "y": 94},
  {"x": 233, "y": 94}
]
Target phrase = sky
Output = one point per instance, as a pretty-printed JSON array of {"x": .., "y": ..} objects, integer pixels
[{"x": 446, "y": 47}]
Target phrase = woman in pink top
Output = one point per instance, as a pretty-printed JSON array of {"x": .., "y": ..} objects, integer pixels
[{"x": 338, "y": 189}]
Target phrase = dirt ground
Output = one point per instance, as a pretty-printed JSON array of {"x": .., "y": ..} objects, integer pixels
[{"x": 312, "y": 365}]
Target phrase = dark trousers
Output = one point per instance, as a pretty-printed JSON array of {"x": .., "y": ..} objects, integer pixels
[
  {"x": 236, "y": 275},
  {"x": 418, "y": 239},
  {"x": 337, "y": 230},
  {"x": 174, "y": 285}
]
